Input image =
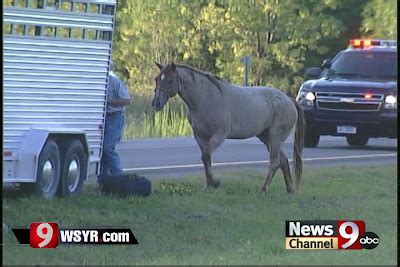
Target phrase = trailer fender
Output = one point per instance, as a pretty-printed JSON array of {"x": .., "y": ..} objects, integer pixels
[{"x": 33, "y": 144}]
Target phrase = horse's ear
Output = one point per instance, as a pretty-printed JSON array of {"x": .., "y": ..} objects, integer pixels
[
  {"x": 173, "y": 66},
  {"x": 159, "y": 65}
]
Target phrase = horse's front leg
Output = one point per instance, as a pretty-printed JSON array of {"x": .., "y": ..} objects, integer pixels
[
  {"x": 202, "y": 142},
  {"x": 209, "y": 147},
  {"x": 210, "y": 180}
]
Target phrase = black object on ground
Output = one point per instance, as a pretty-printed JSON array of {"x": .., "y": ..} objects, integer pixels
[{"x": 125, "y": 185}]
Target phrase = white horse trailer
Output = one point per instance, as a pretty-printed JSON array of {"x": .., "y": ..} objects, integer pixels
[{"x": 56, "y": 56}]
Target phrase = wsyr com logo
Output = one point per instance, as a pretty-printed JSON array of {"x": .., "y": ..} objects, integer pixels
[
  {"x": 49, "y": 235},
  {"x": 344, "y": 235}
]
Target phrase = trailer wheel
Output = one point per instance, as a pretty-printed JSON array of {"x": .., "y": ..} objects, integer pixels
[
  {"x": 74, "y": 168},
  {"x": 48, "y": 173}
]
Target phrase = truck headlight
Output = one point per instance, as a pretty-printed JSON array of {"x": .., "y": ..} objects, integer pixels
[
  {"x": 391, "y": 101},
  {"x": 310, "y": 96},
  {"x": 305, "y": 97}
]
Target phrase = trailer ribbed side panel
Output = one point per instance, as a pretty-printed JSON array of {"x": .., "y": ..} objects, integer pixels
[{"x": 50, "y": 81}]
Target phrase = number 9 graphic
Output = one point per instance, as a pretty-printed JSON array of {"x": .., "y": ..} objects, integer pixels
[
  {"x": 43, "y": 235},
  {"x": 349, "y": 234},
  {"x": 46, "y": 236},
  {"x": 353, "y": 236}
]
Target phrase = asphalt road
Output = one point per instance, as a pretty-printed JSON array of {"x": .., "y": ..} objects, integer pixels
[{"x": 160, "y": 157}]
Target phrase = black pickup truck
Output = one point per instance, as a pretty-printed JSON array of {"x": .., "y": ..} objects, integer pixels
[{"x": 353, "y": 95}]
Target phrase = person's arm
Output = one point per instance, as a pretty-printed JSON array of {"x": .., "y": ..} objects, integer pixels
[{"x": 123, "y": 94}]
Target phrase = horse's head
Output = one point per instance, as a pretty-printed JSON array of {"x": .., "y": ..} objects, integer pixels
[{"x": 166, "y": 85}]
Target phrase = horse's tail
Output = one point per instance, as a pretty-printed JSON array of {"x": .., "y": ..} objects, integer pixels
[{"x": 298, "y": 143}]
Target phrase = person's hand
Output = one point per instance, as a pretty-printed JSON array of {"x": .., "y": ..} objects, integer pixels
[{"x": 111, "y": 104}]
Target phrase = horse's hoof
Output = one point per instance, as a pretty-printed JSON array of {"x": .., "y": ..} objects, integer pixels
[
  {"x": 215, "y": 183},
  {"x": 291, "y": 192},
  {"x": 263, "y": 190}
]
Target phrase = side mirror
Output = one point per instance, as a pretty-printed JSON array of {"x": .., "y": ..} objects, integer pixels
[
  {"x": 326, "y": 64},
  {"x": 313, "y": 73}
]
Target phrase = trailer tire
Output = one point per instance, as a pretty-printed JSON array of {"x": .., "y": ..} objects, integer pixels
[
  {"x": 48, "y": 172},
  {"x": 74, "y": 169}
]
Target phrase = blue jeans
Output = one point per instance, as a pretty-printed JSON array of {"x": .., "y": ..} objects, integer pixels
[{"x": 110, "y": 163}]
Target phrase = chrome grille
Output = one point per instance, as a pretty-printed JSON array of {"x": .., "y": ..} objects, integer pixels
[{"x": 348, "y": 101}]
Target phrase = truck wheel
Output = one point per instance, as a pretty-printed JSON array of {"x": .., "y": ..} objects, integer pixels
[
  {"x": 48, "y": 173},
  {"x": 357, "y": 140},
  {"x": 311, "y": 140},
  {"x": 74, "y": 168}
]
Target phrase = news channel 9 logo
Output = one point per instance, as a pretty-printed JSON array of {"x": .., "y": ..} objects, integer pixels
[{"x": 323, "y": 235}]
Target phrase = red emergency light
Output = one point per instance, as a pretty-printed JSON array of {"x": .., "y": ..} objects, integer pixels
[
  {"x": 368, "y": 96},
  {"x": 363, "y": 43}
]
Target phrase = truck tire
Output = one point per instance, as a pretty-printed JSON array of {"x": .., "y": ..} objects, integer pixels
[
  {"x": 357, "y": 140},
  {"x": 74, "y": 168},
  {"x": 311, "y": 139},
  {"x": 48, "y": 172}
]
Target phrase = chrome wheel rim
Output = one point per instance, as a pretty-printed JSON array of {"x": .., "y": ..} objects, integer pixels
[
  {"x": 74, "y": 173},
  {"x": 47, "y": 176}
]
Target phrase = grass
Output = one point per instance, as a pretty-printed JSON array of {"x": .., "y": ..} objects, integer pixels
[
  {"x": 230, "y": 225},
  {"x": 143, "y": 122}
]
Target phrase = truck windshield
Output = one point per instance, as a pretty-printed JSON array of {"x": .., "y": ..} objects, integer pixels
[{"x": 365, "y": 64}]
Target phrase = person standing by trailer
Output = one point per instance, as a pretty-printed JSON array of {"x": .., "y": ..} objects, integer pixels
[{"x": 117, "y": 97}]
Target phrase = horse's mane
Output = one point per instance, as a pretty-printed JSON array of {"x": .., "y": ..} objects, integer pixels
[{"x": 212, "y": 77}]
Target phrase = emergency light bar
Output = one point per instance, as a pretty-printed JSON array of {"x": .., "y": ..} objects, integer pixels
[{"x": 366, "y": 43}]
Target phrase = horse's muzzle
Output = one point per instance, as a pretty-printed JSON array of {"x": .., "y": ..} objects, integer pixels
[{"x": 160, "y": 98}]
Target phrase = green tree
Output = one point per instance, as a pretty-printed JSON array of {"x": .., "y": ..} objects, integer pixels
[
  {"x": 277, "y": 34},
  {"x": 146, "y": 31},
  {"x": 281, "y": 36},
  {"x": 380, "y": 19},
  {"x": 349, "y": 14}
]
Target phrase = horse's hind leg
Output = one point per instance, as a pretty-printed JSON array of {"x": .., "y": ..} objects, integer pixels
[
  {"x": 275, "y": 146},
  {"x": 284, "y": 163},
  {"x": 286, "y": 173}
]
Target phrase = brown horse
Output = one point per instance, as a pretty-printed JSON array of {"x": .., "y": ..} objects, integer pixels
[{"x": 218, "y": 110}]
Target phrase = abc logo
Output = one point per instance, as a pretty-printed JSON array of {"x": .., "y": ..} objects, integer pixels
[{"x": 369, "y": 240}]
